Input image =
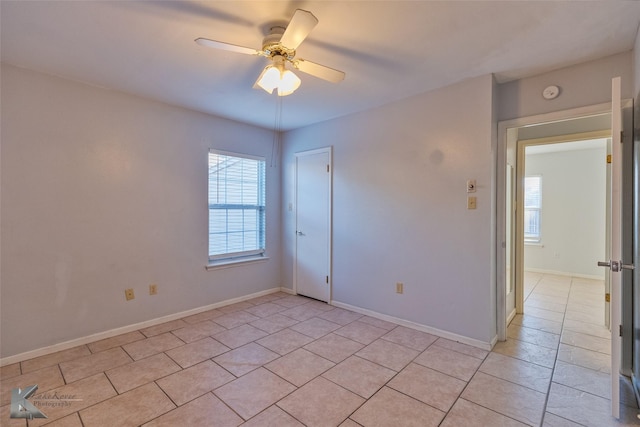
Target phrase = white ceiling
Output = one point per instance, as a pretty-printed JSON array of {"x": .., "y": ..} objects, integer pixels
[{"x": 389, "y": 49}]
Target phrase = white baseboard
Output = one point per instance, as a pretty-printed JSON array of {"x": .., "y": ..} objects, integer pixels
[
  {"x": 137, "y": 326},
  {"x": 130, "y": 328},
  {"x": 564, "y": 273},
  {"x": 494, "y": 340},
  {"x": 433, "y": 331}
]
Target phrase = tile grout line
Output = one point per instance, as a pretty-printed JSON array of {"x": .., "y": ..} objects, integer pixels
[
  {"x": 432, "y": 344},
  {"x": 555, "y": 360},
  {"x": 464, "y": 388},
  {"x": 366, "y": 399}
]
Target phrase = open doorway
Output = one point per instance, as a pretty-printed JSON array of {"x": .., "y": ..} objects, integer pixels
[
  {"x": 541, "y": 132},
  {"x": 564, "y": 221},
  {"x": 568, "y": 346}
]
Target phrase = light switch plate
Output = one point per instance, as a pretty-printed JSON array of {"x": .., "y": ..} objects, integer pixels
[{"x": 471, "y": 202}]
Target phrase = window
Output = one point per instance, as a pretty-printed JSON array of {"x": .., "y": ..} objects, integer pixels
[
  {"x": 236, "y": 206},
  {"x": 532, "y": 208}
]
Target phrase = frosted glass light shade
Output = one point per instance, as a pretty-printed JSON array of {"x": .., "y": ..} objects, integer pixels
[
  {"x": 289, "y": 82},
  {"x": 269, "y": 79},
  {"x": 277, "y": 76}
]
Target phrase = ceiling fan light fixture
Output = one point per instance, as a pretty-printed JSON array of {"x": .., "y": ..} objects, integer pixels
[
  {"x": 279, "y": 46},
  {"x": 289, "y": 82},
  {"x": 269, "y": 79},
  {"x": 277, "y": 76}
]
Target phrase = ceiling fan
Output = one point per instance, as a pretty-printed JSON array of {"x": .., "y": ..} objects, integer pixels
[{"x": 280, "y": 47}]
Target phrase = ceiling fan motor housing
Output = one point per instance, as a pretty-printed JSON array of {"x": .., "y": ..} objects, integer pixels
[{"x": 271, "y": 45}]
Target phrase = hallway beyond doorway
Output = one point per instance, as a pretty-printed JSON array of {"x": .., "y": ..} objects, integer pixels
[{"x": 563, "y": 330}]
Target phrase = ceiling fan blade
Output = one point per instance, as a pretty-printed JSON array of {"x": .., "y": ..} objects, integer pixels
[
  {"x": 226, "y": 46},
  {"x": 298, "y": 29},
  {"x": 320, "y": 71}
]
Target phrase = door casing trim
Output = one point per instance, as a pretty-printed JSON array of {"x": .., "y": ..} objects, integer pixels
[{"x": 501, "y": 162}]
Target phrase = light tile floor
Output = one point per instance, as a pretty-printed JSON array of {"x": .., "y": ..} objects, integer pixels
[{"x": 282, "y": 360}]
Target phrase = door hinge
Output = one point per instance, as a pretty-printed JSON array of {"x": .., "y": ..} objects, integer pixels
[
  {"x": 607, "y": 297},
  {"x": 620, "y": 329},
  {"x": 608, "y": 158},
  {"x": 621, "y": 136},
  {"x": 327, "y": 168},
  {"x": 327, "y": 279}
]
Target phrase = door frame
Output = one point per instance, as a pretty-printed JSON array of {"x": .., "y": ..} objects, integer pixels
[
  {"x": 522, "y": 144},
  {"x": 505, "y": 137},
  {"x": 510, "y": 250},
  {"x": 328, "y": 150}
]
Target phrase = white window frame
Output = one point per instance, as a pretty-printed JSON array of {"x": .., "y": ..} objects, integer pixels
[
  {"x": 256, "y": 251},
  {"x": 528, "y": 238}
]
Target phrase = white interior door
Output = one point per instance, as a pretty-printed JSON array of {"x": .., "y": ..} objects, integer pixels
[
  {"x": 607, "y": 248},
  {"x": 615, "y": 244},
  {"x": 313, "y": 224}
]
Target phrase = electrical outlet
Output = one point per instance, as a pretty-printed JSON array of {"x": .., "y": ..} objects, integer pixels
[
  {"x": 399, "y": 288},
  {"x": 128, "y": 294},
  {"x": 153, "y": 289}
]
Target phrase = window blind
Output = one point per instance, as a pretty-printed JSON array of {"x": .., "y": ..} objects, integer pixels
[{"x": 236, "y": 205}]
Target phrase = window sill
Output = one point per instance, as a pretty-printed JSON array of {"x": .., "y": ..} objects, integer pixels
[
  {"x": 228, "y": 263},
  {"x": 534, "y": 244}
]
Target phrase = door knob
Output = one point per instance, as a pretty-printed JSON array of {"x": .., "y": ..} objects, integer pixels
[{"x": 616, "y": 265}]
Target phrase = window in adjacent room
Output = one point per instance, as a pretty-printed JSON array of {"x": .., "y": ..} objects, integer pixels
[
  {"x": 532, "y": 208},
  {"x": 236, "y": 206}
]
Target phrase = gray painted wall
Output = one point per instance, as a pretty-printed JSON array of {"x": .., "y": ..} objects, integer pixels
[
  {"x": 580, "y": 85},
  {"x": 103, "y": 191},
  {"x": 399, "y": 207}
]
